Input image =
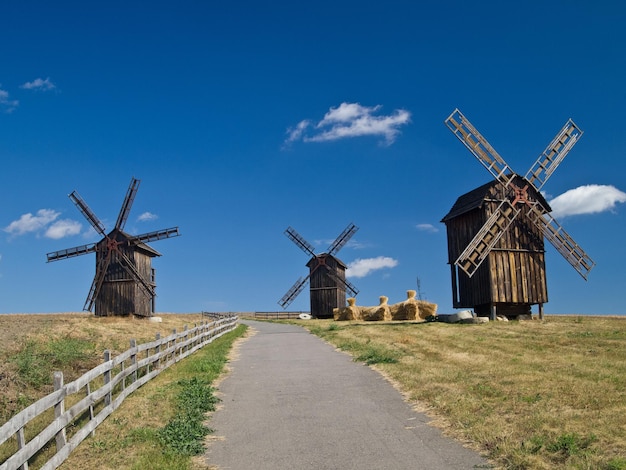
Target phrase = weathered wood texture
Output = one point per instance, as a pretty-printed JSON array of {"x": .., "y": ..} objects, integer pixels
[
  {"x": 104, "y": 388},
  {"x": 327, "y": 292},
  {"x": 513, "y": 276},
  {"x": 120, "y": 293}
]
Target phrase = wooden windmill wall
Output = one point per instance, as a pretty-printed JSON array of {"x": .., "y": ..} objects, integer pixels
[
  {"x": 327, "y": 292},
  {"x": 120, "y": 293},
  {"x": 513, "y": 277}
]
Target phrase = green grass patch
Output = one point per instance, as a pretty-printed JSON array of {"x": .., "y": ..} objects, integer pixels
[
  {"x": 36, "y": 361},
  {"x": 184, "y": 434}
]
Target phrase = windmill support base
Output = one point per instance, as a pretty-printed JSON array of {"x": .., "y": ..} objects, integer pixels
[{"x": 540, "y": 311}]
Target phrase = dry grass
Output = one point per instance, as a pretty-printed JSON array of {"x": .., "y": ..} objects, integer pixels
[
  {"x": 91, "y": 334},
  {"x": 531, "y": 395}
]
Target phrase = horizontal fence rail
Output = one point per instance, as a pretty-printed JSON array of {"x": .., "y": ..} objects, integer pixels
[
  {"x": 99, "y": 392},
  {"x": 281, "y": 315},
  {"x": 278, "y": 315}
]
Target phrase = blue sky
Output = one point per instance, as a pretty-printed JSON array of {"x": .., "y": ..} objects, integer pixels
[{"x": 244, "y": 118}]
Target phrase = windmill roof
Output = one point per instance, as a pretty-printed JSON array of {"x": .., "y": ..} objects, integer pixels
[
  {"x": 476, "y": 197},
  {"x": 339, "y": 262},
  {"x": 147, "y": 249}
]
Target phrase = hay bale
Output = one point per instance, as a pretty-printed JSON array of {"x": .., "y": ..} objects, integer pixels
[
  {"x": 407, "y": 310},
  {"x": 426, "y": 309},
  {"x": 379, "y": 313},
  {"x": 351, "y": 312}
]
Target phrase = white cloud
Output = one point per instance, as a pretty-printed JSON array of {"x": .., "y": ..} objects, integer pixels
[
  {"x": 363, "y": 267},
  {"x": 295, "y": 133},
  {"x": 32, "y": 223},
  {"x": 351, "y": 120},
  {"x": 39, "y": 84},
  {"x": 63, "y": 228},
  {"x": 147, "y": 216},
  {"x": 427, "y": 228},
  {"x": 587, "y": 199},
  {"x": 7, "y": 105}
]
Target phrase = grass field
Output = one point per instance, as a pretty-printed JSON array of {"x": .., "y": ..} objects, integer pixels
[{"x": 531, "y": 395}]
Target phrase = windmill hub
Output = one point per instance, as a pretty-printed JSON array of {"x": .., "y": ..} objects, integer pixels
[
  {"x": 521, "y": 194},
  {"x": 113, "y": 244},
  {"x": 321, "y": 261}
]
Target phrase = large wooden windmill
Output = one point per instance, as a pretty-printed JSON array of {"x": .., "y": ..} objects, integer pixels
[
  {"x": 496, "y": 232},
  {"x": 124, "y": 283},
  {"x": 327, "y": 275}
]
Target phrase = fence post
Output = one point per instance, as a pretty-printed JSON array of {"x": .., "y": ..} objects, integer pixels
[
  {"x": 174, "y": 355},
  {"x": 21, "y": 442},
  {"x": 157, "y": 351},
  {"x": 107, "y": 378},
  {"x": 59, "y": 409},
  {"x": 87, "y": 393},
  {"x": 133, "y": 360}
]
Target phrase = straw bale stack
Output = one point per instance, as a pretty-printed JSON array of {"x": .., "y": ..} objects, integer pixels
[
  {"x": 410, "y": 309},
  {"x": 407, "y": 310},
  {"x": 426, "y": 309},
  {"x": 380, "y": 313},
  {"x": 351, "y": 312}
]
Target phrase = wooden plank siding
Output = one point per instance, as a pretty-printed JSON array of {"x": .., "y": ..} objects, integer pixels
[
  {"x": 326, "y": 292},
  {"x": 513, "y": 275},
  {"x": 121, "y": 294}
]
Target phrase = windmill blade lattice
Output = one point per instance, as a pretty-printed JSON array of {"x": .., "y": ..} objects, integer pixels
[
  {"x": 343, "y": 238},
  {"x": 349, "y": 286},
  {"x": 71, "y": 252},
  {"x": 127, "y": 204},
  {"x": 87, "y": 212},
  {"x": 293, "y": 292},
  {"x": 487, "y": 237},
  {"x": 553, "y": 155},
  {"x": 478, "y": 145},
  {"x": 299, "y": 241},
  {"x": 156, "y": 235},
  {"x": 562, "y": 241},
  {"x": 96, "y": 285}
]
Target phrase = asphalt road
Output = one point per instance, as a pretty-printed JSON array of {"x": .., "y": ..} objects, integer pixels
[{"x": 291, "y": 401}]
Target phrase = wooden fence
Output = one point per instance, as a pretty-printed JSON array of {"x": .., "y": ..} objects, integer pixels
[
  {"x": 278, "y": 315},
  {"x": 104, "y": 387}
]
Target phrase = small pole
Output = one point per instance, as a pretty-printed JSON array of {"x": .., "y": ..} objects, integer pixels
[{"x": 492, "y": 316}]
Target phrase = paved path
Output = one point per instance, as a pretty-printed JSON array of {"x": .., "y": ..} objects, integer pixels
[{"x": 293, "y": 402}]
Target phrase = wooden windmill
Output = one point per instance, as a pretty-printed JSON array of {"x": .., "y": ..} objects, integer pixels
[
  {"x": 327, "y": 275},
  {"x": 496, "y": 232},
  {"x": 124, "y": 283}
]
